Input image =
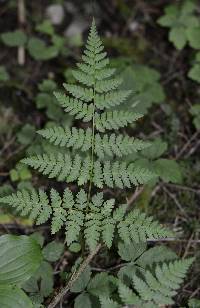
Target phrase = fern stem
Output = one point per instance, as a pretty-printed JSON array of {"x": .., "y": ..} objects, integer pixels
[
  {"x": 92, "y": 151},
  {"x": 73, "y": 278}
]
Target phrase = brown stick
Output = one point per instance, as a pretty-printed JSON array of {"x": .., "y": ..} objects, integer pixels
[
  {"x": 22, "y": 21},
  {"x": 73, "y": 278}
]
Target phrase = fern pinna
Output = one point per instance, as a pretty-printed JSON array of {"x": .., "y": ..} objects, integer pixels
[{"x": 93, "y": 158}]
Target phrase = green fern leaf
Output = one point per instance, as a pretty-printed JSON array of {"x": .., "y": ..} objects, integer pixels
[
  {"x": 161, "y": 287},
  {"x": 83, "y": 77},
  {"x": 127, "y": 296},
  {"x": 79, "y": 92},
  {"x": 76, "y": 138},
  {"x": 104, "y": 86},
  {"x": 32, "y": 203},
  {"x": 107, "y": 302},
  {"x": 138, "y": 227},
  {"x": 111, "y": 99},
  {"x": 75, "y": 218},
  {"x": 75, "y": 107},
  {"x": 115, "y": 119}
]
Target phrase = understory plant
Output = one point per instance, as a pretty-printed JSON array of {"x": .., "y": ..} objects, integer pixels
[{"x": 89, "y": 158}]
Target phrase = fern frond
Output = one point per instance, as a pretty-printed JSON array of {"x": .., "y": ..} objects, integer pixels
[
  {"x": 64, "y": 168},
  {"x": 59, "y": 166},
  {"x": 117, "y": 145},
  {"x": 75, "y": 107},
  {"x": 162, "y": 286},
  {"x": 32, "y": 203},
  {"x": 127, "y": 296},
  {"x": 120, "y": 175},
  {"x": 138, "y": 227},
  {"x": 111, "y": 99},
  {"x": 64, "y": 136},
  {"x": 85, "y": 94},
  {"x": 115, "y": 119}
]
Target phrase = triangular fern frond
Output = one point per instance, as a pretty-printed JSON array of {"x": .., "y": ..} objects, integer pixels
[{"x": 162, "y": 286}]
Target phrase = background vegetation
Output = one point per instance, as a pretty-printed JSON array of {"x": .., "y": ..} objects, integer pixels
[{"x": 155, "y": 46}]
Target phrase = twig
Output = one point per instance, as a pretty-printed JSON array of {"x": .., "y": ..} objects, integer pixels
[
  {"x": 172, "y": 196},
  {"x": 181, "y": 187},
  {"x": 188, "y": 246},
  {"x": 135, "y": 195},
  {"x": 73, "y": 278},
  {"x": 22, "y": 21},
  {"x": 184, "y": 148}
]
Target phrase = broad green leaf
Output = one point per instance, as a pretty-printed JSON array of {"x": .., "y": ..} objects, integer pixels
[
  {"x": 193, "y": 35},
  {"x": 42, "y": 281},
  {"x": 45, "y": 273},
  {"x": 99, "y": 285},
  {"x": 188, "y": 7},
  {"x": 156, "y": 149},
  {"x": 38, "y": 237},
  {"x": 155, "y": 255},
  {"x": 13, "y": 297},
  {"x": 194, "y": 72},
  {"x": 167, "y": 20},
  {"x": 130, "y": 252},
  {"x": 82, "y": 301},
  {"x": 45, "y": 27},
  {"x": 47, "y": 85},
  {"x": 178, "y": 37},
  {"x": 26, "y": 135},
  {"x": 20, "y": 257},
  {"x": 53, "y": 251},
  {"x": 194, "y": 303},
  {"x": 195, "y": 111},
  {"x": 146, "y": 89},
  {"x": 40, "y": 51},
  {"x": 44, "y": 100},
  {"x": 4, "y": 76},
  {"x": 14, "y": 39},
  {"x": 168, "y": 170},
  {"x": 75, "y": 247},
  {"x": 82, "y": 282},
  {"x": 20, "y": 173},
  {"x": 14, "y": 176}
]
